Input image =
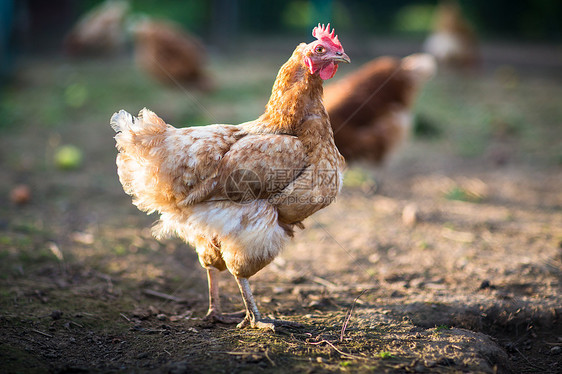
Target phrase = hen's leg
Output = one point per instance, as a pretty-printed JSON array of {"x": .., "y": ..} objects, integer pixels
[
  {"x": 253, "y": 317},
  {"x": 215, "y": 313}
]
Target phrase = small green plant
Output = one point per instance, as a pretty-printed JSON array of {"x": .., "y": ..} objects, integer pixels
[
  {"x": 425, "y": 245},
  {"x": 457, "y": 193},
  {"x": 441, "y": 328},
  {"x": 461, "y": 194},
  {"x": 385, "y": 355},
  {"x": 120, "y": 250}
]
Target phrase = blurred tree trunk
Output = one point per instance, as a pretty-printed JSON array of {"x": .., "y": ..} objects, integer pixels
[{"x": 6, "y": 55}]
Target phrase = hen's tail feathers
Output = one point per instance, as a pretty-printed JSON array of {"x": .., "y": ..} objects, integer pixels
[
  {"x": 146, "y": 122},
  {"x": 137, "y": 135},
  {"x": 139, "y": 141},
  {"x": 121, "y": 120},
  {"x": 422, "y": 66}
]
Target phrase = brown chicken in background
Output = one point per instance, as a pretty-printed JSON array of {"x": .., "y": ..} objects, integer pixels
[
  {"x": 370, "y": 109},
  {"x": 237, "y": 192},
  {"x": 100, "y": 31},
  {"x": 169, "y": 54},
  {"x": 453, "y": 42}
]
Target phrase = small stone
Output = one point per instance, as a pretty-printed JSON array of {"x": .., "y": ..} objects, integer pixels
[
  {"x": 56, "y": 314},
  {"x": 555, "y": 350},
  {"x": 374, "y": 258},
  {"x": 278, "y": 290},
  {"x": 20, "y": 194},
  {"x": 419, "y": 368},
  {"x": 142, "y": 355},
  {"x": 410, "y": 214},
  {"x": 314, "y": 304},
  {"x": 161, "y": 317}
]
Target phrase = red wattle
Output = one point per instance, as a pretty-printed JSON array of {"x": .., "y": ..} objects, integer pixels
[{"x": 328, "y": 71}]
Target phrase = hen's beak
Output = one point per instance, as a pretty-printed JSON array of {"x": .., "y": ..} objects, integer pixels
[{"x": 341, "y": 57}]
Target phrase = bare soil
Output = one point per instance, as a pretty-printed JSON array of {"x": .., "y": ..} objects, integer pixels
[{"x": 447, "y": 259}]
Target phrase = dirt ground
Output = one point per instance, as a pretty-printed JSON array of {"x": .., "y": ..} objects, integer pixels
[{"x": 447, "y": 259}]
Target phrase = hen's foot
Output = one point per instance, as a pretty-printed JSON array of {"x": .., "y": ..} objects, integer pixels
[
  {"x": 266, "y": 324},
  {"x": 227, "y": 318}
]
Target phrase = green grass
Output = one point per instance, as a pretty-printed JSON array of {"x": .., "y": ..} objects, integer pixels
[
  {"x": 458, "y": 193},
  {"x": 385, "y": 355},
  {"x": 442, "y": 328},
  {"x": 471, "y": 115}
]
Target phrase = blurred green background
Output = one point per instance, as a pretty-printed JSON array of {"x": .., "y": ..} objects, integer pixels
[
  {"x": 38, "y": 25},
  {"x": 247, "y": 41}
]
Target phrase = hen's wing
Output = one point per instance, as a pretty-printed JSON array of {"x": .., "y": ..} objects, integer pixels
[{"x": 259, "y": 166}]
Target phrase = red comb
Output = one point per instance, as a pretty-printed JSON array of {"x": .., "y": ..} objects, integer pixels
[{"x": 322, "y": 32}]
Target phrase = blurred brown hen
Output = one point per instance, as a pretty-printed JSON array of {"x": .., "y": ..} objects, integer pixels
[
  {"x": 100, "y": 31},
  {"x": 453, "y": 41},
  {"x": 370, "y": 109},
  {"x": 169, "y": 54}
]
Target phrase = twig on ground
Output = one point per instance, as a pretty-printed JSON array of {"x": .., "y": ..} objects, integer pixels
[
  {"x": 337, "y": 350},
  {"x": 349, "y": 313},
  {"x": 240, "y": 353},
  {"x": 76, "y": 324},
  {"x": 42, "y": 333},
  {"x": 269, "y": 359},
  {"x": 529, "y": 362},
  {"x": 162, "y": 295},
  {"x": 324, "y": 282},
  {"x": 125, "y": 317}
]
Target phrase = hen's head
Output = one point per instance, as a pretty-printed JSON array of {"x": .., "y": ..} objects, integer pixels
[{"x": 323, "y": 55}]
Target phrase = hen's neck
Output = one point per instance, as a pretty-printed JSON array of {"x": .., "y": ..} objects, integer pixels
[{"x": 295, "y": 97}]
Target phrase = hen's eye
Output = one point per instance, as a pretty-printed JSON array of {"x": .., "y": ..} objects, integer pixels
[{"x": 319, "y": 49}]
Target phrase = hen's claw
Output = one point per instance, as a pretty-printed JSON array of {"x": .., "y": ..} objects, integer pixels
[
  {"x": 266, "y": 324},
  {"x": 214, "y": 316}
]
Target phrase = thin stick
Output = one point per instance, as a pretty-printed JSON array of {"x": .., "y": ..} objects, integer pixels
[
  {"x": 269, "y": 359},
  {"x": 240, "y": 353},
  {"x": 529, "y": 362},
  {"x": 42, "y": 333},
  {"x": 348, "y": 316},
  {"x": 324, "y": 282},
  {"x": 337, "y": 350},
  {"x": 161, "y": 295},
  {"x": 124, "y": 316}
]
